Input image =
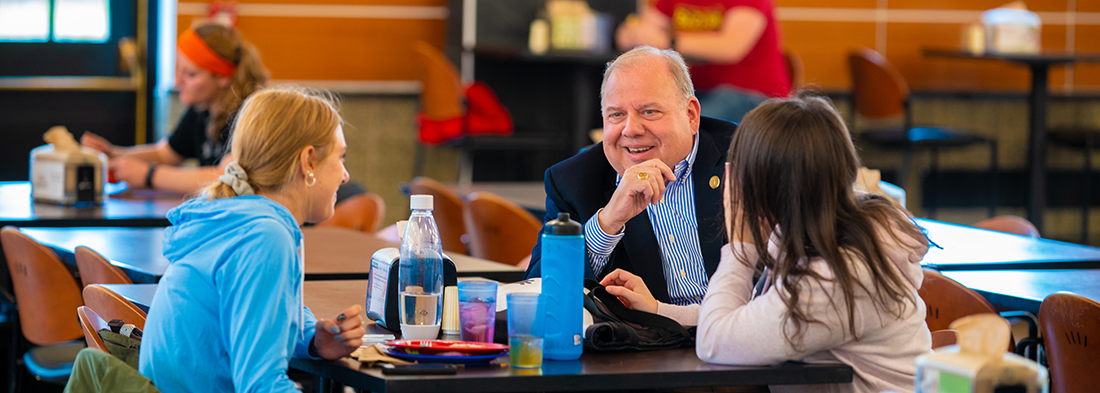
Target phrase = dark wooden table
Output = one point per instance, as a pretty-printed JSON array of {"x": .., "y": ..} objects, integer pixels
[
  {"x": 1037, "y": 111},
  {"x": 331, "y": 253},
  {"x": 325, "y": 298},
  {"x": 669, "y": 369},
  {"x": 142, "y": 208},
  {"x": 679, "y": 368},
  {"x": 1026, "y": 289},
  {"x": 969, "y": 248}
]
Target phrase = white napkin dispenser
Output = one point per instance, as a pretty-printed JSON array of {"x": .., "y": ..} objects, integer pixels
[
  {"x": 1012, "y": 31},
  {"x": 65, "y": 173},
  {"x": 382, "y": 291}
]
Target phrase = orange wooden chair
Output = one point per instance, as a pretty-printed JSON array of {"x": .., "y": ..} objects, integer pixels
[
  {"x": 92, "y": 323},
  {"x": 363, "y": 212},
  {"x": 879, "y": 92},
  {"x": 95, "y": 269},
  {"x": 499, "y": 230},
  {"x": 946, "y": 300},
  {"x": 1067, "y": 321},
  {"x": 452, "y": 112},
  {"x": 111, "y": 305},
  {"x": 47, "y": 297},
  {"x": 447, "y": 213},
  {"x": 1009, "y": 224},
  {"x": 943, "y": 338}
]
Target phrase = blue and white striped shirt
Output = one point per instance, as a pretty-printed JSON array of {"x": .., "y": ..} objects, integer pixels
[{"x": 677, "y": 231}]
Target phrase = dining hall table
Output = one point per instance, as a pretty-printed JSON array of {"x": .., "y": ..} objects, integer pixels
[
  {"x": 331, "y": 253},
  {"x": 961, "y": 247},
  {"x": 1038, "y": 96},
  {"x": 338, "y": 253},
  {"x": 667, "y": 369},
  {"x": 1025, "y": 289},
  {"x": 125, "y": 208}
]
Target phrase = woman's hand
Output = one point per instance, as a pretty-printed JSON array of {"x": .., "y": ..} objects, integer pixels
[
  {"x": 97, "y": 142},
  {"x": 631, "y": 290},
  {"x": 341, "y": 336},
  {"x": 736, "y": 228},
  {"x": 129, "y": 169}
]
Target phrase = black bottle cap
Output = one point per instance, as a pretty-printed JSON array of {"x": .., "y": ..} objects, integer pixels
[{"x": 563, "y": 226}]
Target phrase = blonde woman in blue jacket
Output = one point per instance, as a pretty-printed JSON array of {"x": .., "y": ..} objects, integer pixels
[{"x": 228, "y": 313}]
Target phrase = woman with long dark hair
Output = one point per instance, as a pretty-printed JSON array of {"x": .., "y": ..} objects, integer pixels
[{"x": 842, "y": 267}]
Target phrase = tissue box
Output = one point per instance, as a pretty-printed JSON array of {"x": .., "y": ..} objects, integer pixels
[
  {"x": 67, "y": 178},
  {"x": 950, "y": 371}
]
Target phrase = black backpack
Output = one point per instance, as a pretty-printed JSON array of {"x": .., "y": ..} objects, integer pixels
[{"x": 618, "y": 328}]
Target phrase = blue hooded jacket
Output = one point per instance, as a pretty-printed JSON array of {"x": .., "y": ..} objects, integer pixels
[{"x": 228, "y": 314}]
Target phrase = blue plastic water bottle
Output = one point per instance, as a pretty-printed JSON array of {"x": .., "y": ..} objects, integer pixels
[{"x": 563, "y": 287}]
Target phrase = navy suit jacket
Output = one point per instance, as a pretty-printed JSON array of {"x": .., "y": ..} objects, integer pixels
[{"x": 584, "y": 183}]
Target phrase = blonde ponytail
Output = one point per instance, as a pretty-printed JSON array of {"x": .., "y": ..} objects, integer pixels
[{"x": 219, "y": 190}]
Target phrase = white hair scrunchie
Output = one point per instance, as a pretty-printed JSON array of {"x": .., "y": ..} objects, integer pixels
[{"x": 237, "y": 178}]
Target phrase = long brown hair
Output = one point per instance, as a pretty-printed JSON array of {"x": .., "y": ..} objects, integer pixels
[
  {"x": 792, "y": 168},
  {"x": 273, "y": 127},
  {"x": 249, "y": 77}
]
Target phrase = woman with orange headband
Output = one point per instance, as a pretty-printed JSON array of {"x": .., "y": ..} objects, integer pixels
[{"x": 216, "y": 70}]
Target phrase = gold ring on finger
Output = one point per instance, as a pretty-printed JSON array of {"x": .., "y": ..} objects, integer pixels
[{"x": 643, "y": 175}]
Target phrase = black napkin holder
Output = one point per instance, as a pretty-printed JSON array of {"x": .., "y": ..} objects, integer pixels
[{"x": 382, "y": 291}]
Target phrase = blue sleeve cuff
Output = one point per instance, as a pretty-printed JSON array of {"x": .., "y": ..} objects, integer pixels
[
  {"x": 309, "y": 329},
  {"x": 598, "y": 243}
]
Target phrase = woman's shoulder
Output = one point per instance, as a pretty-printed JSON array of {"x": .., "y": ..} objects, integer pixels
[{"x": 245, "y": 212}]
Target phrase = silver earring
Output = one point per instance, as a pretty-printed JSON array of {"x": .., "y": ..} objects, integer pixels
[{"x": 310, "y": 179}]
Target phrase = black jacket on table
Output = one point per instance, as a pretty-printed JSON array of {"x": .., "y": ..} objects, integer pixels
[{"x": 584, "y": 183}]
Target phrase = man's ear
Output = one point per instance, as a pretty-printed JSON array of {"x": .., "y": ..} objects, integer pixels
[{"x": 693, "y": 113}]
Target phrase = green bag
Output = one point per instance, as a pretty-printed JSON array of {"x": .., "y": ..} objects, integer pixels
[{"x": 122, "y": 347}]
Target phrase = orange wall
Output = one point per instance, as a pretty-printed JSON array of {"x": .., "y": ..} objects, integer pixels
[
  {"x": 327, "y": 48},
  {"x": 823, "y": 45},
  {"x": 355, "y": 48}
]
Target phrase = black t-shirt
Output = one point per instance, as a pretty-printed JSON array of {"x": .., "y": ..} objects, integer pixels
[{"x": 189, "y": 139}]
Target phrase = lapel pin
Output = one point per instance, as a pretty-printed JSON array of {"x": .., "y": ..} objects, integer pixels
[{"x": 714, "y": 182}]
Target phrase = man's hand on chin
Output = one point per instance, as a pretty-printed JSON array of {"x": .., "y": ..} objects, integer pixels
[{"x": 641, "y": 185}]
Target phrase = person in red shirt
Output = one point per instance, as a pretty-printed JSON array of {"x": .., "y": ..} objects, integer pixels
[{"x": 735, "y": 45}]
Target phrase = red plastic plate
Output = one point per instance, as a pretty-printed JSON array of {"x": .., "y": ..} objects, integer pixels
[{"x": 429, "y": 347}]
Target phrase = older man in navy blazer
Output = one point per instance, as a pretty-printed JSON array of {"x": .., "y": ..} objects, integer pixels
[{"x": 649, "y": 195}]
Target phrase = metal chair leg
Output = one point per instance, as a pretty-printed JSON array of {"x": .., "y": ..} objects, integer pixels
[
  {"x": 993, "y": 173},
  {"x": 13, "y": 355},
  {"x": 933, "y": 172},
  {"x": 1086, "y": 190}
]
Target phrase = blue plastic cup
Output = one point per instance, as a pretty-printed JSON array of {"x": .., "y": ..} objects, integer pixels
[
  {"x": 477, "y": 309},
  {"x": 525, "y": 330}
]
